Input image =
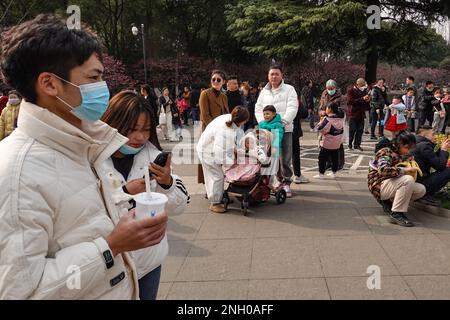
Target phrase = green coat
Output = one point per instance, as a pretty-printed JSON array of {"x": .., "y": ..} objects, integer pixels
[{"x": 277, "y": 125}]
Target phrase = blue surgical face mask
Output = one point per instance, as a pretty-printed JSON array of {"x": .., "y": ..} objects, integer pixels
[
  {"x": 94, "y": 100},
  {"x": 331, "y": 92},
  {"x": 14, "y": 102},
  {"x": 127, "y": 150}
]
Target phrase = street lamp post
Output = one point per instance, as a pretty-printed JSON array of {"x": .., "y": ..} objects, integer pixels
[{"x": 135, "y": 32}]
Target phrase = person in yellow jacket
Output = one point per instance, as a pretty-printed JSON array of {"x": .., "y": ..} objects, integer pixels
[{"x": 8, "y": 118}]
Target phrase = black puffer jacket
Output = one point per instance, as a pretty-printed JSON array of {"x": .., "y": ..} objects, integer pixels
[
  {"x": 425, "y": 101},
  {"x": 379, "y": 98},
  {"x": 427, "y": 158}
]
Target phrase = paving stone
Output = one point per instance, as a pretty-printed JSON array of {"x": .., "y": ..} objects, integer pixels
[
  {"x": 209, "y": 290},
  {"x": 217, "y": 260},
  {"x": 284, "y": 258},
  {"x": 163, "y": 290},
  {"x": 417, "y": 254},
  {"x": 227, "y": 226},
  {"x": 178, "y": 251},
  {"x": 352, "y": 255},
  {"x": 356, "y": 288},
  {"x": 430, "y": 287},
  {"x": 184, "y": 226},
  {"x": 289, "y": 289}
]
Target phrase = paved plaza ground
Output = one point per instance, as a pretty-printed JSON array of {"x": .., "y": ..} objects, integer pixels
[{"x": 318, "y": 245}]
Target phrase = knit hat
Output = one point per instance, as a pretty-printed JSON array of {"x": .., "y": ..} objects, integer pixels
[{"x": 331, "y": 83}]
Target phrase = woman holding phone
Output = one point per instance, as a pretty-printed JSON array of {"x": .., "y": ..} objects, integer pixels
[{"x": 132, "y": 116}]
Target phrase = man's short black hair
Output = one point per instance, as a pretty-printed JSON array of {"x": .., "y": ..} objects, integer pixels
[
  {"x": 410, "y": 78},
  {"x": 43, "y": 44},
  {"x": 276, "y": 66},
  {"x": 384, "y": 80},
  {"x": 428, "y": 83},
  {"x": 233, "y": 77},
  {"x": 423, "y": 128}
]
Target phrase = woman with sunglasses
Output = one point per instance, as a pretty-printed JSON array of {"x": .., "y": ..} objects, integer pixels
[{"x": 213, "y": 103}]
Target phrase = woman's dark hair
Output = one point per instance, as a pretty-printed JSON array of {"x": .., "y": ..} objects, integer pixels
[
  {"x": 220, "y": 73},
  {"x": 238, "y": 115},
  {"x": 43, "y": 44},
  {"x": 123, "y": 113},
  {"x": 270, "y": 108},
  {"x": 399, "y": 97},
  {"x": 146, "y": 88},
  {"x": 334, "y": 107},
  {"x": 14, "y": 92},
  {"x": 404, "y": 138}
]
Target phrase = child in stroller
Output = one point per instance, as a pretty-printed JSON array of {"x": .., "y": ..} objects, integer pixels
[{"x": 249, "y": 178}]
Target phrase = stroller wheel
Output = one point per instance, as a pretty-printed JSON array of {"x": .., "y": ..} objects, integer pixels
[
  {"x": 225, "y": 200},
  {"x": 280, "y": 196}
]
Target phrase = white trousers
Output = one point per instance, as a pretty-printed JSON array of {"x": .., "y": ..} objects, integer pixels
[{"x": 214, "y": 180}]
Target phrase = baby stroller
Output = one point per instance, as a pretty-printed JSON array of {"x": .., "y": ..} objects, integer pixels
[{"x": 250, "y": 182}]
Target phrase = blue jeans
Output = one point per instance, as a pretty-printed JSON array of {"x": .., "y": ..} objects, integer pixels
[{"x": 149, "y": 285}]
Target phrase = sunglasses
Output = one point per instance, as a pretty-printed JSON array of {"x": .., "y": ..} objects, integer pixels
[{"x": 216, "y": 80}]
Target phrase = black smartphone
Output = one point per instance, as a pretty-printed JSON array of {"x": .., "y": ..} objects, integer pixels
[{"x": 161, "y": 159}]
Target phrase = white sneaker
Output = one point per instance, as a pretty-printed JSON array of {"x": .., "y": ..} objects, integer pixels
[
  {"x": 319, "y": 176},
  {"x": 301, "y": 179},
  {"x": 287, "y": 188},
  {"x": 331, "y": 175}
]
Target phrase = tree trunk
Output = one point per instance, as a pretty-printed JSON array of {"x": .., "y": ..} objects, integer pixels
[{"x": 371, "y": 66}]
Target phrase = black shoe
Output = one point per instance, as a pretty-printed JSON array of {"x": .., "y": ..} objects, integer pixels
[
  {"x": 387, "y": 206},
  {"x": 366, "y": 132},
  {"x": 400, "y": 219},
  {"x": 373, "y": 138},
  {"x": 350, "y": 147},
  {"x": 359, "y": 148},
  {"x": 430, "y": 201}
]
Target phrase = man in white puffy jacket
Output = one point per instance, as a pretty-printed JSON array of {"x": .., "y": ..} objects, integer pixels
[
  {"x": 60, "y": 233},
  {"x": 284, "y": 98}
]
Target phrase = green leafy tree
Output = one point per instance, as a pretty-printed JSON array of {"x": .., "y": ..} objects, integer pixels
[{"x": 292, "y": 30}]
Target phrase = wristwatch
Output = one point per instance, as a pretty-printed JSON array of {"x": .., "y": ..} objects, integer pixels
[{"x": 107, "y": 255}]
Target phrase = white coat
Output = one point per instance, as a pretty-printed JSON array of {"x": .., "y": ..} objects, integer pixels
[
  {"x": 218, "y": 142},
  {"x": 285, "y": 101},
  {"x": 148, "y": 259},
  {"x": 56, "y": 211}
]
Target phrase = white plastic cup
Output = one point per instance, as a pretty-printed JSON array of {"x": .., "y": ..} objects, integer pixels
[{"x": 149, "y": 207}]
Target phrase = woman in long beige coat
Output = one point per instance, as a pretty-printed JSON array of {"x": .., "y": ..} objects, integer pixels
[{"x": 213, "y": 103}]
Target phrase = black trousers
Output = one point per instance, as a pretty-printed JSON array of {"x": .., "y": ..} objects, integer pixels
[
  {"x": 296, "y": 154},
  {"x": 411, "y": 124},
  {"x": 435, "y": 181},
  {"x": 324, "y": 156},
  {"x": 356, "y": 132},
  {"x": 311, "y": 118},
  {"x": 373, "y": 124},
  {"x": 426, "y": 116}
]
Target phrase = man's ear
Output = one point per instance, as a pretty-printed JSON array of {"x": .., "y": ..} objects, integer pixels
[{"x": 47, "y": 84}]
